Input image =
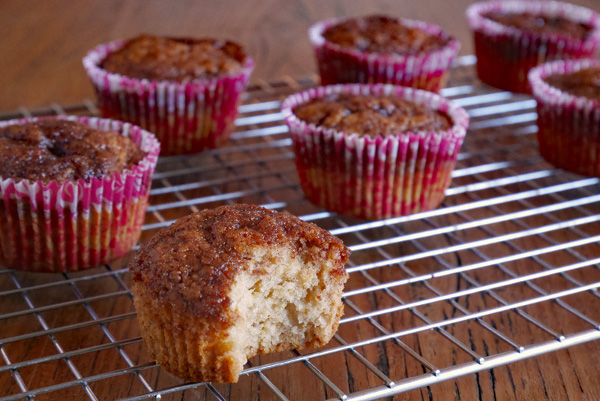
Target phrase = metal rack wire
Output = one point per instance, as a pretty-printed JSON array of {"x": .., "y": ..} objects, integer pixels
[{"x": 515, "y": 242}]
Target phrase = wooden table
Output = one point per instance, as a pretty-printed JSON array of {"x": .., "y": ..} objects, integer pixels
[{"x": 40, "y": 63}]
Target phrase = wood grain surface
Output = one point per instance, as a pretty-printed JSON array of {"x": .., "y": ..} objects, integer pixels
[
  {"x": 41, "y": 46},
  {"x": 43, "y": 41}
]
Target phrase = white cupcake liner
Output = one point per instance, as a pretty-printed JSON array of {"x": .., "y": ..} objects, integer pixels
[
  {"x": 427, "y": 70},
  {"x": 375, "y": 177},
  {"x": 568, "y": 125},
  {"x": 76, "y": 224}
]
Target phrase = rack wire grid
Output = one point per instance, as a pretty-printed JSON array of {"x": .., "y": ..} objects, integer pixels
[{"x": 512, "y": 251}]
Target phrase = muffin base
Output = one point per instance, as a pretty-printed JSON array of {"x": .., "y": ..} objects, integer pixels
[
  {"x": 178, "y": 341},
  {"x": 574, "y": 149},
  {"x": 34, "y": 240},
  {"x": 368, "y": 199}
]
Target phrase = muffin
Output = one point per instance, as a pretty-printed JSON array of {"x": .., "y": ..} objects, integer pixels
[
  {"x": 74, "y": 191},
  {"x": 380, "y": 49},
  {"x": 511, "y": 37},
  {"x": 568, "y": 108},
  {"x": 374, "y": 151},
  {"x": 186, "y": 91},
  {"x": 220, "y": 286}
]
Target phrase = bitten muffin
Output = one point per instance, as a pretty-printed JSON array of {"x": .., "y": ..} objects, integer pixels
[
  {"x": 374, "y": 151},
  {"x": 184, "y": 90},
  {"x": 568, "y": 108},
  {"x": 74, "y": 191},
  {"x": 381, "y": 49},
  {"x": 511, "y": 37},
  {"x": 220, "y": 286}
]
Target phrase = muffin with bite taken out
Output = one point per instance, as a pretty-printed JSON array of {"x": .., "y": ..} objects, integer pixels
[{"x": 220, "y": 286}]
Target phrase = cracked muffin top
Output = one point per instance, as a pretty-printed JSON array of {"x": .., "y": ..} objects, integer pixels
[
  {"x": 371, "y": 115},
  {"x": 174, "y": 59},
  {"x": 61, "y": 150},
  {"x": 384, "y": 35}
]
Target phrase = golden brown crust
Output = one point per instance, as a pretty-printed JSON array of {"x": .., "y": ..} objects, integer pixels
[
  {"x": 174, "y": 59},
  {"x": 371, "y": 115},
  {"x": 584, "y": 82},
  {"x": 192, "y": 263},
  {"x": 60, "y": 150},
  {"x": 383, "y": 35}
]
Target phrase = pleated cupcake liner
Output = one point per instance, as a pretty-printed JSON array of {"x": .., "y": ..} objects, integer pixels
[
  {"x": 568, "y": 125},
  {"x": 506, "y": 54},
  {"x": 186, "y": 117},
  {"x": 426, "y": 70},
  {"x": 375, "y": 177},
  {"x": 76, "y": 224}
]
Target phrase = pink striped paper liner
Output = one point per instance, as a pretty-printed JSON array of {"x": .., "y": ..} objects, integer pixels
[
  {"x": 186, "y": 117},
  {"x": 568, "y": 125},
  {"x": 506, "y": 54},
  {"x": 375, "y": 177},
  {"x": 427, "y": 70},
  {"x": 76, "y": 224}
]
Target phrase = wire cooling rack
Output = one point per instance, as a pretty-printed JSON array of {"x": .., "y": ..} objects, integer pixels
[{"x": 506, "y": 269}]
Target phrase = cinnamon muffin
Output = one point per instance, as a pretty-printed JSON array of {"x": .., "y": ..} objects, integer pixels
[
  {"x": 568, "y": 109},
  {"x": 511, "y": 37},
  {"x": 374, "y": 151},
  {"x": 184, "y": 90},
  {"x": 220, "y": 286},
  {"x": 73, "y": 191},
  {"x": 383, "y": 49}
]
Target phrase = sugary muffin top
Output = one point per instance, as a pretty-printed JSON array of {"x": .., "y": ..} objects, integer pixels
[
  {"x": 193, "y": 262},
  {"x": 371, "y": 115},
  {"x": 542, "y": 24},
  {"x": 384, "y": 35},
  {"x": 174, "y": 59},
  {"x": 585, "y": 82},
  {"x": 60, "y": 150}
]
